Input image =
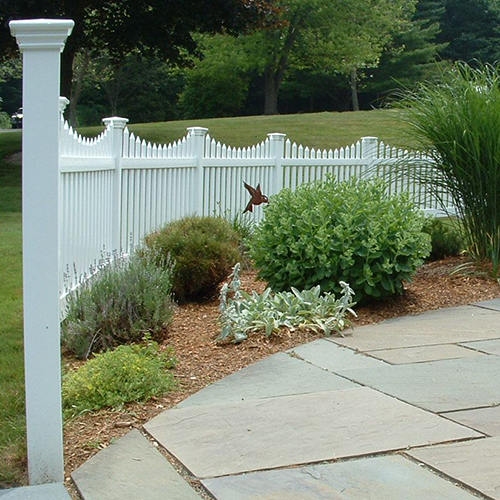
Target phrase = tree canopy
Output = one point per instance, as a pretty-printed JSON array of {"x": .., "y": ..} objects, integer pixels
[
  {"x": 316, "y": 35},
  {"x": 159, "y": 27}
]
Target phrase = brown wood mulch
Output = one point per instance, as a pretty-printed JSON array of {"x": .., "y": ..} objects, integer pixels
[{"x": 202, "y": 361}]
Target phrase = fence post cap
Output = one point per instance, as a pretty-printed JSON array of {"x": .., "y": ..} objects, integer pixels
[
  {"x": 115, "y": 122},
  {"x": 63, "y": 102},
  {"x": 277, "y": 136},
  {"x": 41, "y": 33},
  {"x": 197, "y": 130}
]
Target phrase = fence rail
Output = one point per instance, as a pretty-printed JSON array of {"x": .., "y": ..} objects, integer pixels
[{"x": 117, "y": 188}]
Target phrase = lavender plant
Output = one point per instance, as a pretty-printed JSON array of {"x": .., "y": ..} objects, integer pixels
[{"x": 119, "y": 304}]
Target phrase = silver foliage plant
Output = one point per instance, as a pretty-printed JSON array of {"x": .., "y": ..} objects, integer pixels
[{"x": 243, "y": 313}]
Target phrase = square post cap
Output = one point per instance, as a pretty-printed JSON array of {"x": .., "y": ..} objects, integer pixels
[{"x": 37, "y": 34}]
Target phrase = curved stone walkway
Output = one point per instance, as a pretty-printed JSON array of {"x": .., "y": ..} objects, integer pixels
[{"x": 405, "y": 409}]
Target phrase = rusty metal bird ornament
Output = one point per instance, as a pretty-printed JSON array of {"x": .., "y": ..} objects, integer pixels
[{"x": 257, "y": 197}]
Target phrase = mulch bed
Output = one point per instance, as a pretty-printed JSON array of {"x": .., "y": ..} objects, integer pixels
[{"x": 201, "y": 360}]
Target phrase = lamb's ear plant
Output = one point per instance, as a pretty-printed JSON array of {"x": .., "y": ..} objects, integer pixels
[
  {"x": 456, "y": 123},
  {"x": 243, "y": 313}
]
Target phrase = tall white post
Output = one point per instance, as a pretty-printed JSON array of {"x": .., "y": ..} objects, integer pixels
[
  {"x": 116, "y": 126},
  {"x": 198, "y": 135},
  {"x": 278, "y": 153},
  {"x": 41, "y": 41}
]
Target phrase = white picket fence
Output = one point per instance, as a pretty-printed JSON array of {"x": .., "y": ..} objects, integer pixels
[{"x": 117, "y": 188}]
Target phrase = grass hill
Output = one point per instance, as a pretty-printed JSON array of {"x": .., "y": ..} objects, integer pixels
[{"x": 318, "y": 130}]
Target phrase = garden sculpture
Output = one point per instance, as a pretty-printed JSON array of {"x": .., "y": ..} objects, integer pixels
[{"x": 257, "y": 197}]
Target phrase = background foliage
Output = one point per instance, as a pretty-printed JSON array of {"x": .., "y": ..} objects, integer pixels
[{"x": 310, "y": 56}]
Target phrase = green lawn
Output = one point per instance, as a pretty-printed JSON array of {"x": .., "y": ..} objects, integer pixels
[
  {"x": 318, "y": 130},
  {"x": 324, "y": 130},
  {"x": 12, "y": 422}
]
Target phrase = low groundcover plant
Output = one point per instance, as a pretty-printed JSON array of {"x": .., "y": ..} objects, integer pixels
[
  {"x": 243, "y": 313},
  {"x": 134, "y": 372}
]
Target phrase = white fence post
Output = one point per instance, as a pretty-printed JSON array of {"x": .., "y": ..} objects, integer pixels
[
  {"x": 369, "y": 152},
  {"x": 277, "y": 150},
  {"x": 116, "y": 126},
  {"x": 369, "y": 147},
  {"x": 41, "y": 41},
  {"x": 198, "y": 135}
]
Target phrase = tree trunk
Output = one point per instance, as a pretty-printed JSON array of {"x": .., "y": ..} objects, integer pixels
[
  {"x": 354, "y": 90},
  {"x": 271, "y": 90},
  {"x": 75, "y": 95},
  {"x": 275, "y": 71}
]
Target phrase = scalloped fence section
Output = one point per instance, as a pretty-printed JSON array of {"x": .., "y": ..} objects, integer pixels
[{"x": 116, "y": 188}]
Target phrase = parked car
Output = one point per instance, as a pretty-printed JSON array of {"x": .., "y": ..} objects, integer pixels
[{"x": 17, "y": 119}]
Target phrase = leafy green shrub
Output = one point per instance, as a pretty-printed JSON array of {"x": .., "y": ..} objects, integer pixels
[
  {"x": 122, "y": 302},
  {"x": 328, "y": 232},
  {"x": 456, "y": 122},
  {"x": 445, "y": 238},
  {"x": 203, "y": 251},
  {"x": 134, "y": 372},
  {"x": 242, "y": 313}
]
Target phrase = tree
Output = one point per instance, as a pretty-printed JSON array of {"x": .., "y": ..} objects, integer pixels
[
  {"x": 11, "y": 84},
  {"x": 217, "y": 84},
  {"x": 141, "y": 89},
  {"x": 159, "y": 27},
  {"x": 413, "y": 54},
  {"x": 470, "y": 28},
  {"x": 322, "y": 35}
]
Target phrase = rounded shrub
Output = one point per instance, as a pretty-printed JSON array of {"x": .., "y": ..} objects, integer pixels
[
  {"x": 203, "y": 251},
  {"x": 446, "y": 239},
  {"x": 125, "y": 300},
  {"x": 328, "y": 232}
]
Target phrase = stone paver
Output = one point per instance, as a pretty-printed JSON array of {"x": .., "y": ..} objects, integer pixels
[
  {"x": 449, "y": 385},
  {"x": 54, "y": 491},
  {"x": 488, "y": 346},
  {"x": 445, "y": 326},
  {"x": 131, "y": 469},
  {"x": 485, "y": 420},
  {"x": 332, "y": 357},
  {"x": 408, "y": 355},
  {"x": 278, "y": 375},
  {"x": 493, "y": 304},
  {"x": 475, "y": 463},
  {"x": 268, "y": 433},
  {"x": 381, "y": 478}
]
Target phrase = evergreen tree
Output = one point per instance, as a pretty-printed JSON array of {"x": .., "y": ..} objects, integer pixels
[
  {"x": 412, "y": 56},
  {"x": 471, "y": 29}
]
